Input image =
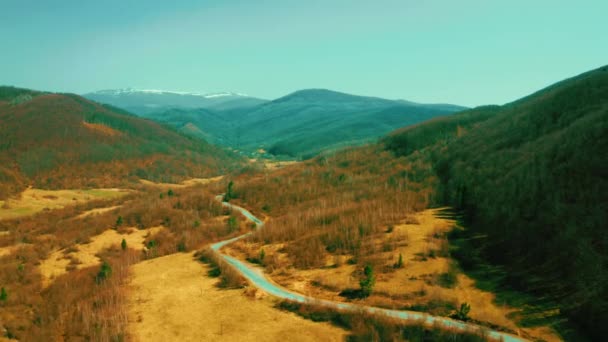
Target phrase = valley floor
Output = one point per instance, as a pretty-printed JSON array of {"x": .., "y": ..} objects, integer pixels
[
  {"x": 428, "y": 281},
  {"x": 172, "y": 298}
]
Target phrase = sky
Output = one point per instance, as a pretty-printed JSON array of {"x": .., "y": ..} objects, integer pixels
[{"x": 467, "y": 52}]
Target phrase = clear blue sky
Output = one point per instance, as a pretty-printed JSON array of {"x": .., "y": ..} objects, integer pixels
[{"x": 468, "y": 52}]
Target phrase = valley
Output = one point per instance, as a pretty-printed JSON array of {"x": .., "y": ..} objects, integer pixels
[
  {"x": 310, "y": 227},
  {"x": 298, "y": 125},
  {"x": 296, "y": 290},
  {"x": 174, "y": 298}
]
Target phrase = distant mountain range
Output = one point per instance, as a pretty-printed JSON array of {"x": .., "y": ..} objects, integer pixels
[
  {"x": 145, "y": 101},
  {"x": 300, "y": 124}
]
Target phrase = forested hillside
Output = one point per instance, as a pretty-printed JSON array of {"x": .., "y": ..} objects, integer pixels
[
  {"x": 62, "y": 140},
  {"x": 531, "y": 178},
  {"x": 299, "y": 125}
]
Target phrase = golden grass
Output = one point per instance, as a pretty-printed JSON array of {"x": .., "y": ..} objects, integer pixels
[
  {"x": 187, "y": 183},
  {"x": 172, "y": 299},
  {"x": 32, "y": 201},
  {"x": 85, "y": 255},
  {"x": 274, "y": 165},
  {"x": 421, "y": 240},
  {"x": 97, "y": 211},
  {"x": 7, "y": 250}
]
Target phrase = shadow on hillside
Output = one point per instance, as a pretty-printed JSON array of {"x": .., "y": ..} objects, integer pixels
[{"x": 532, "y": 311}]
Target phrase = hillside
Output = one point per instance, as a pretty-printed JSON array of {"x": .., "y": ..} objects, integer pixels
[
  {"x": 303, "y": 123},
  {"x": 210, "y": 125},
  {"x": 530, "y": 178},
  {"x": 144, "y": 102},
  {"x": 63, "y": 140}
]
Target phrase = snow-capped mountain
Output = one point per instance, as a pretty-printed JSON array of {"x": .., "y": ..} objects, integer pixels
[{"x": 145, "y": 101}]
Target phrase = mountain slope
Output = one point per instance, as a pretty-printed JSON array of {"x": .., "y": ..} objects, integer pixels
[
  {"x": 308, "y": 121},
  {"x": 532, "y": 182},
  {"x": 63, "y": 140},
  {"x": 300, "y": 124},
  {"x": 143, "y": 102}
]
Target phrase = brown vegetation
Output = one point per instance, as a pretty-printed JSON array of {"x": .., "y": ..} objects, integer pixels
[
  {"x": 332, "y": 205},
  {"x": 367, "y": 327},
  {"x": 83, "y": 302},
  {"x": 172, "y": 298},
  {"x": 330, "y": 217},
  {"x": 59, "y": 141}
]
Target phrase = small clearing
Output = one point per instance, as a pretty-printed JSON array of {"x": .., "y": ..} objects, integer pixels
[
  {"x": 184, "y": 184},
  {"x": 275, "y": 165},
  {"x": 85, "y": 255},
  {"x": 32, "y": 201},
  {"x": 97, "y": 211},
  {"x": 173, "y": 299},
  {"x": 102, "y": 129}
]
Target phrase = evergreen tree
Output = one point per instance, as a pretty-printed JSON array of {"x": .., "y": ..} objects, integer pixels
[
  {"x": 368, "y": 281},
  {"x": 3, "y": 295}
]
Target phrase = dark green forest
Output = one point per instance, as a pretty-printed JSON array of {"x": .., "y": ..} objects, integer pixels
[{"x": 531, "y": 181}]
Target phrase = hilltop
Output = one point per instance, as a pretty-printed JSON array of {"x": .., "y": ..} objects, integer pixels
[
  {"x": 63, "y": 140},
  {"x": 146, "y": 101},
  {"x": 301, "y": 124}
]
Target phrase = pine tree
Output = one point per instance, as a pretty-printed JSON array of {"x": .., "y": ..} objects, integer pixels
[
  {"x": 104, "y": 272},
  {"x": 3, "y": 295},
  {"x": 399, "y": 263},
  {"x": 118, "y": 222},
  {"x": 368, "y": 282},
  {"x": 229, "y": 192}
]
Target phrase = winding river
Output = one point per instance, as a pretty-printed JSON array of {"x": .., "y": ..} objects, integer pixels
[{"x": 255, "y": 275}]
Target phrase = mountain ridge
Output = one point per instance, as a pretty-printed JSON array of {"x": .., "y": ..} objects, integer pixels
[
  {"x": 146, "y": 101},
  {"x": 299, "y": 124},
  {"x": 55, "y": 140}
]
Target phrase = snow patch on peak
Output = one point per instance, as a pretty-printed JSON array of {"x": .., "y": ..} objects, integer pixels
[
  {"x": 212, "y": 95},
  {"x": 126, "y": 91}
]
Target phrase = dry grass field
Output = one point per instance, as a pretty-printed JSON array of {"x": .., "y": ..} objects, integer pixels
[
  {"x": 32, "y": 201},
  {"x": 173, "y": 299},
  {"x": 428, "y": 280},
  {"x": 184, "y": 184},
  {"x": 81, "y": 256}
]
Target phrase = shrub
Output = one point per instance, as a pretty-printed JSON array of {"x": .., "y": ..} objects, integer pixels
[
  {"x": 232, "y": 224},
  {"x": 3, "y": 295},
  {"x": 450, "y": 278},
  {"x": 399, "y": 263},
  {"x": 368, "y": 281},
  {"x": 119, "y": 221},
  {"x": 104, "y": 272},
  {"x": 123, "y": 244},
  {"x": 229, "y": 192},
  {"x": 181, "y": 246},
  {"x": 463, "y": 313}
]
